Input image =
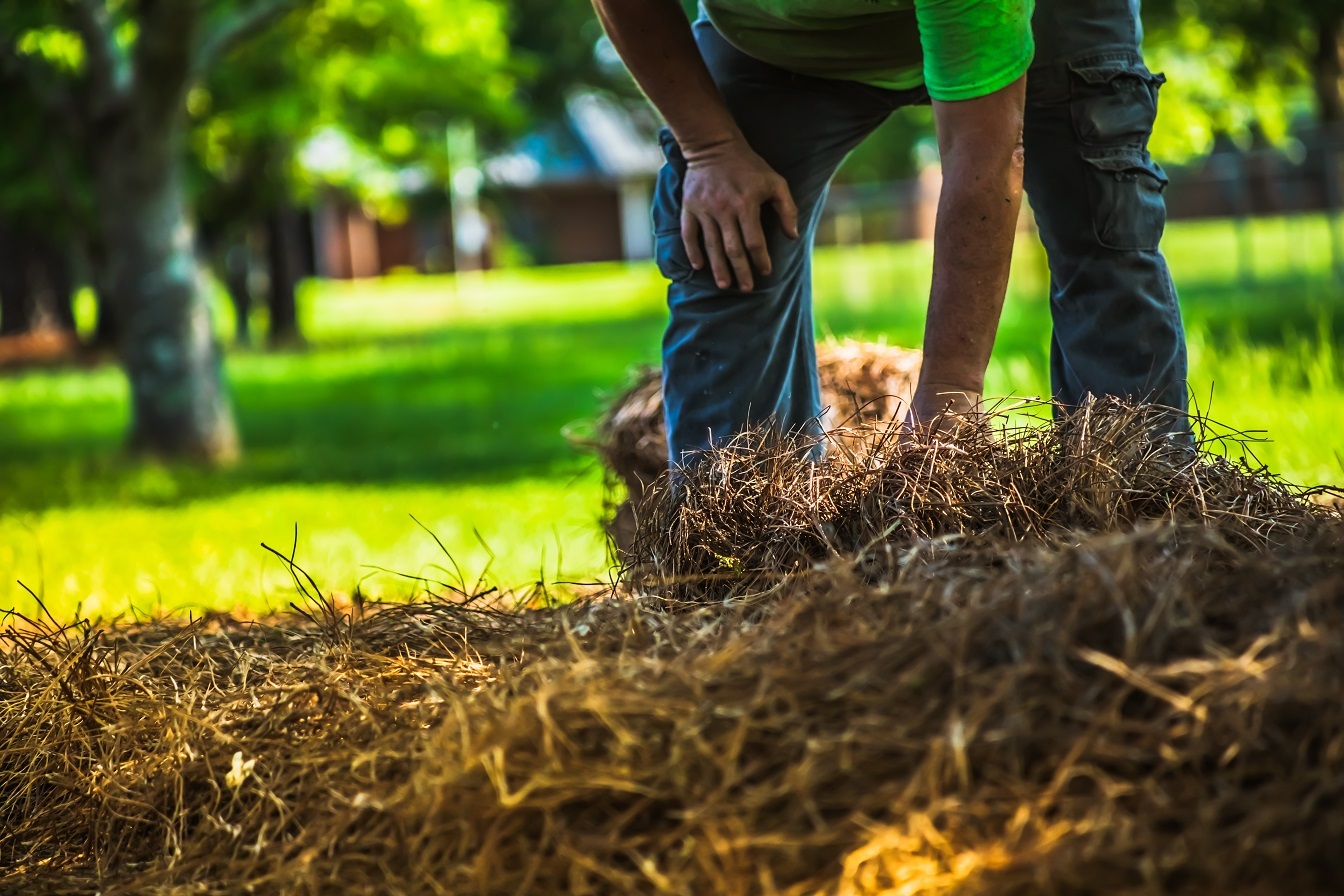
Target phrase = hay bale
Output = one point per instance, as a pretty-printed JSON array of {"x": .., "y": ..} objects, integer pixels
[
  {"x": 1124, "y": 679},
  {"x": 862, "y": 384}
]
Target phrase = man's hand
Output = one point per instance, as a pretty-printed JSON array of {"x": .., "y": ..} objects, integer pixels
[
  {"x": 725, "y": 188},
  {"x": 726, "y": 183}
]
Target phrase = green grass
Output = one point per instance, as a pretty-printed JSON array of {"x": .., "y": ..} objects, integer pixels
[{"x": 451, "y": 399}]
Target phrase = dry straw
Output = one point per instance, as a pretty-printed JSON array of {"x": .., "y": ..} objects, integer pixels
[
  {"x": 862, "y": 384},
  {"x": 1067, "y": 660}
]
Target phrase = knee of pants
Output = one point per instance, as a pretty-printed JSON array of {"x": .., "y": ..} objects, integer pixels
[
  {"x": 670, "y": 252},
  {"x": 1100, "y": 129}
]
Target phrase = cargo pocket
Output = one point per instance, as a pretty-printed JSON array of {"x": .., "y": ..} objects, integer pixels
[
  {"x": 1114, "y": 102},
  {"x": 668, "y": 250},
  {"x": 1125, "y": 191}
]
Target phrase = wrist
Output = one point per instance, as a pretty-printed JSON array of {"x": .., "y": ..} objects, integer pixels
[
  {"x": 932, "y": 397},
  {"x": 701, "y": 147},
  {"x": 933, "y": 380}
]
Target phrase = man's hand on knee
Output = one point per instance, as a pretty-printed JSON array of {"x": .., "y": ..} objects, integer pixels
[{"x": 726, "y": 186}]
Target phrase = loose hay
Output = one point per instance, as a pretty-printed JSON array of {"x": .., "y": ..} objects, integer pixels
[
  {"x": 752, "y": 514},
  {"x": 1076, "y": 664},
  {"x": 862, "y": 383}
]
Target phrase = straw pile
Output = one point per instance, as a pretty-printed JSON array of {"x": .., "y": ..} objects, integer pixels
[
  {"x": 751, "y": 514},
  {"x": 862, "y": 384},
  {"x": 1081, "y": 662}
]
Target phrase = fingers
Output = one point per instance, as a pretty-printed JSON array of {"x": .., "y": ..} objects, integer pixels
[
  {"x": 782, "y": 200},
  {"x": 732, "y": 245},
  {"x": 734, "y": 248},
  {"x": 690, "y": 238},
  {"x": 753, "y": 242},
  {"x": 724, "y": 248},
  {"x": 718, "y": 261}
]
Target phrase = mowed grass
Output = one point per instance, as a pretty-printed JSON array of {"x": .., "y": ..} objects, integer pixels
[{"x": 456, "y": 402}]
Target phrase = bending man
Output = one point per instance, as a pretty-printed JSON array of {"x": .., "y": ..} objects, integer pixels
[{"x": 765, "y": 98}]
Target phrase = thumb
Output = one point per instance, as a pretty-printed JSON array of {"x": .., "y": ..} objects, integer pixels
[{"x": 782, "y": 202}]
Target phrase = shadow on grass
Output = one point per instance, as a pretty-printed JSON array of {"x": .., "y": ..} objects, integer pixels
[
  {"x": 474, "y": 404},
  {"x": 467, "y": 405}
]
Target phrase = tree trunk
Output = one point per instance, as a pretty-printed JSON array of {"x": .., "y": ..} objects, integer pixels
[
  {"x": 1328, "y": 71},
  {"x": 237, "y": 267},
  {"x": 154, "y": 285},
  {"x": 1328, "y": 80},
  {"x": 56, "y": 302},
  {"x": 16, "y": 293},
  {"x": 36, "y": 286},
  {"x": 284, "y": 262},
  {"x": 106, "y": 331}
]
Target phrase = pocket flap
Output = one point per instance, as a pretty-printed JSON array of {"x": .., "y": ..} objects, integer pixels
[
  {"x": 1128, "y": 161},
  {"x": 1106, "y": 72}
]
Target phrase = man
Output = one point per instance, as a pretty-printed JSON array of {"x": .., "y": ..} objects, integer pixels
[{"x": 763, "y": 100}]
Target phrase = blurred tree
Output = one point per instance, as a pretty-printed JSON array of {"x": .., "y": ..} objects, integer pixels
[
  {"x": 42, "y": 197},
  {"x": 552, "y": 68},
  {"x": 1212, "y": 93},
  {"x": 366, "y": 91},
  {"x": 114, "y": 81},
  {"x": 112, "y": 77},
  {"x": 1287, "y": 43},
  {"x": 1269, "y": 50}
]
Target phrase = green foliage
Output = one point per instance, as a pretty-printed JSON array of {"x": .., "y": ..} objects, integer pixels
[
  {"x": 58, "y": 47},
  {"x": 378, "y": 81},
  {"x": 1268, "y": 39},
  {"x": 1210, "y": 93},
  {"x": 43, "y": 182},
  {"x": 385, "y": 76},
  {"x": 1241, "y": 64},
  {"x": 554, "y": 41}
]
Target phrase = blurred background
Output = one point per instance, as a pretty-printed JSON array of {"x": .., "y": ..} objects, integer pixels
[{"x": 335, "y": 275}]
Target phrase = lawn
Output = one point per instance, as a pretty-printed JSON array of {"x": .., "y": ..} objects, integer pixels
[{"x": 454, "y": 402}]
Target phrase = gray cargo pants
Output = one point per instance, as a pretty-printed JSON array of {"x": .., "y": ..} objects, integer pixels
[{"x": 731, "y": 359}]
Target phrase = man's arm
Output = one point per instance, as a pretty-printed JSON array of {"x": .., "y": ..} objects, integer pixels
[
  {"x": 980, "y": 141},
  {"x": 726, "y": 182}
]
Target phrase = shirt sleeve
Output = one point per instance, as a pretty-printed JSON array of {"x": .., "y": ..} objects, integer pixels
[{"x": 974, "y": 47}]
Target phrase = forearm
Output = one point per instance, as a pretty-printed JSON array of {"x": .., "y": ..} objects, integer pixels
[
  {"x": 972, "y": 254},
  {"x": 656, "y": 43},
  {"x": 973, "y": 239}
]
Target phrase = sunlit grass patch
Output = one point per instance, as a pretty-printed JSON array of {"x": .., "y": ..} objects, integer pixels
[{"x": 148, "y": 560}]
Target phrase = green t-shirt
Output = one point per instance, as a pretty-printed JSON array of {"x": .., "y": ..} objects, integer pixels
[{"x": 961, "y": 49}]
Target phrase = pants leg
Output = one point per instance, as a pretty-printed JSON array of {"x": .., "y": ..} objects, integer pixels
[
  {"x": 733, "y": 359},
  {"x": 1097, "y": 194}
]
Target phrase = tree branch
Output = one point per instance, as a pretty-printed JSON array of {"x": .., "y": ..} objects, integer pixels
[
  {"x": 228, "y": 31},
  {"x": 109, "y": 67}
]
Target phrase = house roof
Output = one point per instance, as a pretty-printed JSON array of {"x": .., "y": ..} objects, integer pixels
[{"x": 599, "y": 138}]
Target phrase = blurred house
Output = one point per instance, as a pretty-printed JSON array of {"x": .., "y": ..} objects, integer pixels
[
  {"x": 580, "y": 188},
  {"x": 576, "y": 189},
  {"x": 350, "y": 244}
]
